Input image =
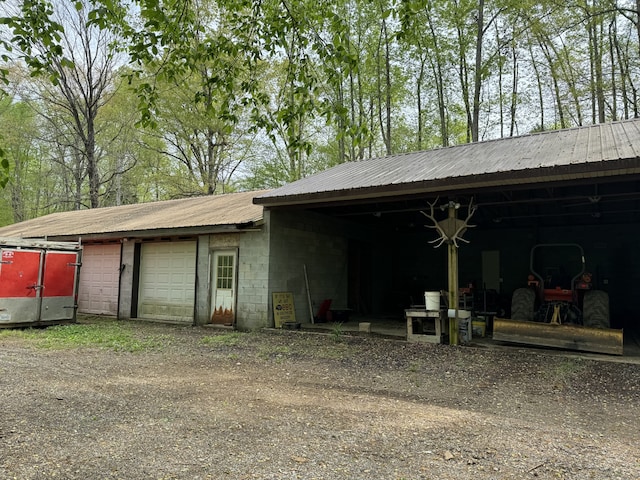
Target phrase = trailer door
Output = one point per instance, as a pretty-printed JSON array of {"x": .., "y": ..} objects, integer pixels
[
  {"x": 19, "y": 285},
  {"x": 59, "y": 286}
]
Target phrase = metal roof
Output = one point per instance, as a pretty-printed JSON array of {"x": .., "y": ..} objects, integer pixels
[
  {"x": 577, "y": 153},
  {"x": 228, "y": 211}
]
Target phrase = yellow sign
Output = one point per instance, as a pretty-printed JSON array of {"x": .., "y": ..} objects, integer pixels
[{"x": 283, "y": 308}]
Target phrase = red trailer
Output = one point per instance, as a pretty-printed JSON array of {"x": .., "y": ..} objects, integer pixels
[{"x": 38, "y": 282}]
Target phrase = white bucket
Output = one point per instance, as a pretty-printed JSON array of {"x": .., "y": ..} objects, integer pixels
[
  {"x": 451, "y": 313},
  {"x": 432, "y": 301}
]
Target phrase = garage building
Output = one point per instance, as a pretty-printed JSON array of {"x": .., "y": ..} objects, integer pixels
[
  {"x": 360, "y": 230},
  {"x": 194, "y": 261},
  {"x": 359, "y": 234}
]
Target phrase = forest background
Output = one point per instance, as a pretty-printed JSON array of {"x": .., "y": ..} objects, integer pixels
[{"x": 111, "y": 102}]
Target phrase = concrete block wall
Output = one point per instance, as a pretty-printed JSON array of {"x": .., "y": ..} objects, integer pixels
[
  {"x": 417, "y": 267},
  {"x": 252, "y": 282},
  {"x": 207, "y": 245},
  {"x": 313, "y": 241},
  {"x": 252, "y": 311}
]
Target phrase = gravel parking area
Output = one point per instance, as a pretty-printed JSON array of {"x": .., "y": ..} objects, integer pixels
[{"x": 196, "y": 403}]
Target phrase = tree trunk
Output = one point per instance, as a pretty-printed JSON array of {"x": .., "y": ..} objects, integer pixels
[
  {"x": 554, "y": 79},
  {"x": 436, "y": 67},
  {"x": 477, "y": 82},
  {"x": 92, "y": 163},
  {"x": 534, "y": 64},
  {"x": 500, "y": 87},
  {"x": 419, "y": 81},
  {"x": 614, "y": 73},
  {"x": 463, "y": 73},
  {"x": 384, "y": 94},
  {"x": 595, "y": 34},
  {"x": 623, "y": 64},
  {"x": 514, "y": 90}
]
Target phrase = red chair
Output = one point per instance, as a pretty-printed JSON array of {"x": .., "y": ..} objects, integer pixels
[{"x": 324, "y": 313}]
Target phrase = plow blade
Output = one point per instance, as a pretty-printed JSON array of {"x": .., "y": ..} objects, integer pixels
[{"x": 569, "y": 337}]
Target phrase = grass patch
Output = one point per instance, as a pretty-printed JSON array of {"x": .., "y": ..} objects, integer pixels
[
  {"x": 337, "y": 351},
  {"x": 337, "y": 332},
  {"x": 415, "y": 370},
  {"x": 563, "y": 372},
  {"x": 281, "y": 350},
  {"x": 415, "y": 367},
  {"x": 568, "y": 368},
  {"x": 268, "y": 351},
  {"x": 108, "y": 335},
  {"x": 226, "y": 339}
]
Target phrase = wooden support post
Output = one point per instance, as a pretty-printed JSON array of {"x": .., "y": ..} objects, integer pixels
[
  {"x": 452, "y": 253},
  {"x": 451, "y": 230}
]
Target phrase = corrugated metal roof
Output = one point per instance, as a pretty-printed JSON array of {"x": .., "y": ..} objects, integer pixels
[
  {"x": 209, "y": 211},
  {"x": 581, "y": 152}
]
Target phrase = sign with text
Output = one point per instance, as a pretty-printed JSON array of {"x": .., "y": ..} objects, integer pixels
[{"x": 283, "y": 308}]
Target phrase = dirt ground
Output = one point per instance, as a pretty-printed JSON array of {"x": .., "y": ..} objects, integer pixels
[{"x": 198, "y": 403}]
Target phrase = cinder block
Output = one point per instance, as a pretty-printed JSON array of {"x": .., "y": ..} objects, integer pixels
[{"x": 364, "y": 327}]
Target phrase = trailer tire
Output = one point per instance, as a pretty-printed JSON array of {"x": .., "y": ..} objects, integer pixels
[
  {"x": 595, "y": 309},
  {"x": 522, "y": 304}
]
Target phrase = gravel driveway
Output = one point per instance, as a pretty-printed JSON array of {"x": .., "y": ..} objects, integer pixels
[{"x": 196, "y": 403}]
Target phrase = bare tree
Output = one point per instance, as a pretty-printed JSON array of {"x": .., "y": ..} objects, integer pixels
[{"x": 74, "y": 81}]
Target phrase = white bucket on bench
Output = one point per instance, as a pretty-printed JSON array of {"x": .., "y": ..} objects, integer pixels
[{"x": 432, "y": 301}]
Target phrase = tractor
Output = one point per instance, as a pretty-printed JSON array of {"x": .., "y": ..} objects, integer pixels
[{"x": 559, "y": 307}]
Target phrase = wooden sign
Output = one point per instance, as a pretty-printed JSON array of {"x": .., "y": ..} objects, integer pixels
[{"x": 283, "y": 308}]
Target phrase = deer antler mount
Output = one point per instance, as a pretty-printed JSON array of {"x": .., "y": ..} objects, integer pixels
[{"x": 451, "y": 229}]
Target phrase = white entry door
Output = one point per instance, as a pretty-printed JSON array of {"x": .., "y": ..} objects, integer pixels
[{"x": 223, "y": 287}]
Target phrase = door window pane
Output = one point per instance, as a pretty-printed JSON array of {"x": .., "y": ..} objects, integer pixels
[{"x": 224, "y": 272}]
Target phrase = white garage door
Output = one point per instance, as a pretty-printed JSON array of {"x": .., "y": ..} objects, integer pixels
[
  {"x": 167, "y": 281},
  {"x": 99, "y": 279}
]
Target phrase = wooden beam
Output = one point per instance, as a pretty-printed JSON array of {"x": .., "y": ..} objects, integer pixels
[
  {"x": 568, "y": 337},
  {"x": 452, "y": 254}
]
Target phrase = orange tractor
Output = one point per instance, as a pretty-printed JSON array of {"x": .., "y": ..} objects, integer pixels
[{"x": 558, "y": 309}]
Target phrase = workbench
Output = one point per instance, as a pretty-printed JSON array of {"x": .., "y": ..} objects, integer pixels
[{"x": 424, "y": 325}]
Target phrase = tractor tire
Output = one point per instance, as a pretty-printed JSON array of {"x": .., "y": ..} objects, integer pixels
[
  {"x": 595, "y": 309},
  {"x": 522, "y": 304}
]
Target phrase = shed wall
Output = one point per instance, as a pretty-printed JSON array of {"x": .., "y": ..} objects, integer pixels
[
  {"x": 317, "y": 242},
  {"x": 253, "y": 279},
  {"x": 252, "y": 276}
]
